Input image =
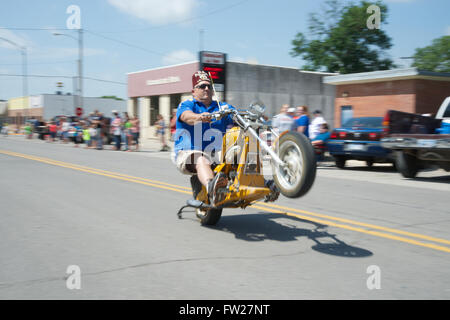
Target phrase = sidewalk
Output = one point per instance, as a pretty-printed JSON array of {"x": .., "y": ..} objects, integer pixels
[{"x": 153, "y": 144}]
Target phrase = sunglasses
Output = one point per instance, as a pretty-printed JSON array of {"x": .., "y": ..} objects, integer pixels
[{"x": 203, "y": 86}]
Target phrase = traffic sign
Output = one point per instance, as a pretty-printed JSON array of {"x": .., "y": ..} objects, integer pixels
[{"x": 215, "y": 64}]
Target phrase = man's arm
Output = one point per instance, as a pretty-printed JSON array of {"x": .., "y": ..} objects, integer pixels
[
  {"x": 192, "y": 118},
  {"x": 317, "y": 142},
  {"x": 302, "y": 122}
]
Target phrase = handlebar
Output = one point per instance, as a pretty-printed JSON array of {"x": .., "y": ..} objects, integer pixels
[
  {"x": 217, "y": 115},
  {"x": 243, "y": 118}
]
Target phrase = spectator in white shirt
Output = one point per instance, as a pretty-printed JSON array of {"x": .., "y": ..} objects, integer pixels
[
  {"x": 314, "y": 127},
  {"x": 283, "y": 121}
]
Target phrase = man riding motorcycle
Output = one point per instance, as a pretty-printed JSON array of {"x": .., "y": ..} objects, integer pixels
[{"x": 194, "y": 133}]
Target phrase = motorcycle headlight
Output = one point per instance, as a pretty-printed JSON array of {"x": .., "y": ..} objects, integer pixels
[{"x": 257, "y": 108}]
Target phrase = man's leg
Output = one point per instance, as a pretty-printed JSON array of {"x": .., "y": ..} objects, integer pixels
[
  {"x": 204, "y": 171},
  {"x": 207, "y": 178},
  {"x": 99, "y": 139}
]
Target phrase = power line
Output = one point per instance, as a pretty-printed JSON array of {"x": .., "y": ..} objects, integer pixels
[
  {"x": 125, "y": 43},
  {"x": 103, "y": 80},
  {"x": 60, "y": 76},
  {"x": 34, "y": 29},
  {"x": 36, "y": 63}
]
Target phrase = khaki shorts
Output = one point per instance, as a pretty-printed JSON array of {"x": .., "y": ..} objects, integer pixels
[{"x": 187, "y": 159}]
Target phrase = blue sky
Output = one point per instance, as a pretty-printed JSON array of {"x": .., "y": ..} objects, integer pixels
[{"x": 168, "y": 32}]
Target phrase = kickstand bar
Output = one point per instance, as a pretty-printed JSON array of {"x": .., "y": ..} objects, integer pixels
[
  {"x": 193, "y": 204},
  {"x": 179, "y": 211}
]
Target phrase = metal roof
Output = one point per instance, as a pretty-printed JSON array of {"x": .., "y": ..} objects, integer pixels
[{"x": 386, "y": 75}]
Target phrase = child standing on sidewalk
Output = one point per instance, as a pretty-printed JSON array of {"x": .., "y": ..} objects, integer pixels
[
  {"x": 86, "y": 136},
  {"x": 28, "y": 131},
  {"x": 161, "y": 131}
]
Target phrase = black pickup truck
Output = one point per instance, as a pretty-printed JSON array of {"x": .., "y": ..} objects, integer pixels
[{"x": 418, "y": 141}]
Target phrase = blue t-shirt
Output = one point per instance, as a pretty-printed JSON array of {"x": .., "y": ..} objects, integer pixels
[
  {"x": 204, "y": 136},
  {"x": 323, "y": 137},
  {"x": 303, "y": 121}
]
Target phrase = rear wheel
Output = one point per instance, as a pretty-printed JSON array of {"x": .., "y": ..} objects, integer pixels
[
  {"x": 340, "y": 162},
  {"x": 209, "y": 217},
  {"x": 296, "y": 178},
  {"x": 406, "y": 164}
]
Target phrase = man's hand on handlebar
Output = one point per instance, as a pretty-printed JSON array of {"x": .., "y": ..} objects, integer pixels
[{"x": 204, "y": 117}]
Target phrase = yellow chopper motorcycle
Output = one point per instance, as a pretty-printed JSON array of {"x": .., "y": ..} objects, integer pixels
[{"x": 290, "y": 165}]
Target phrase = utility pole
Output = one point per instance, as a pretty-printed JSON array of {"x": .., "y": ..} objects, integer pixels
[
  {"x": 201, "y": 32},
  {"x": 23, "y": 51},
  {"x": 80, "y": 66},
  {"x": 79, "y": 62},
  {"x": 25, "y": 79}
]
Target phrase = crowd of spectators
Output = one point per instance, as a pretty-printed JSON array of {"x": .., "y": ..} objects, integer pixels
[
  {"x": 299, "y": 119},
  {"x": 92, "y": 131}
]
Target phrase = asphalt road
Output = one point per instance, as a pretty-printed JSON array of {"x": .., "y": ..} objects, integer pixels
[{"x": 358, "y": 234}]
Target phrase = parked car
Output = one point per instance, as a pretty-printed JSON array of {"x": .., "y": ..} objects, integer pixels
[{"x": 359, "y": 139}]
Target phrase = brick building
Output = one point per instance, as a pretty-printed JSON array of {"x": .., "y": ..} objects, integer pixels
[{"x": 373, "y": 93}]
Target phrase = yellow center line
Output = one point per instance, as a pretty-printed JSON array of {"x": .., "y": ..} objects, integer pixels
[
  {"x": 373, "y": 233},
  {"x": 70, "y": 166},
  {"x": 311, "y": 216},
  {"x": 372, "y": 226}
]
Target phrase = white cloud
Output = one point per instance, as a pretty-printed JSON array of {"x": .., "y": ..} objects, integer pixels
[
  {"x": 7, "y": 34},
  {"x": 251, "y": 60},
  {"x": 179, "y": 56},
  {"x": 447, "y": 31},
  {"x": 157, "y": 12},
  {"x": 237, "y": 59}
]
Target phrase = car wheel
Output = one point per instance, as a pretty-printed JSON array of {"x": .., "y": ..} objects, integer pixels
[
  {"x": 369, "y": 163},
  {"x": 340, "y": 162},
  {"x": 407, "y": 164}
]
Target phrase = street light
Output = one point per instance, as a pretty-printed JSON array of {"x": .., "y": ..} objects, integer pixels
[
  {"x": 405, "y": 58},
  {"x": 80, "y": 62},
  {"x": 23, "y": 51}
]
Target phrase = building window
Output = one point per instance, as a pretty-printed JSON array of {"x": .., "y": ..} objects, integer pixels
[
  {"x": 154, "y": 109},
  {"x": 346, "y": 114},
  {"x": 175, "y": 100}
]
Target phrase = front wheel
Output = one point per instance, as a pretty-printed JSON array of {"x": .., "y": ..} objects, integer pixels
[{"x": 297, "y": 176}]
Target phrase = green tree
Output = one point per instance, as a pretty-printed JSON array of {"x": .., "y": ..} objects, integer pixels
[
  {"x": 435, "y": 57},
  {"x": 341, "y": 40},
  {"x": 111, "y": 97}
]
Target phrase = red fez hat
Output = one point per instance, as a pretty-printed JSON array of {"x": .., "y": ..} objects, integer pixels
[{"x": 198, "y": 77}]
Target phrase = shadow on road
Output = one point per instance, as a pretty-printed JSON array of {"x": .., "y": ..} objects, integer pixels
[
  {"x": 262, "y": 226},
  {"x": 440, "y": 179},
  {"x": 360, "y": 169}
]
